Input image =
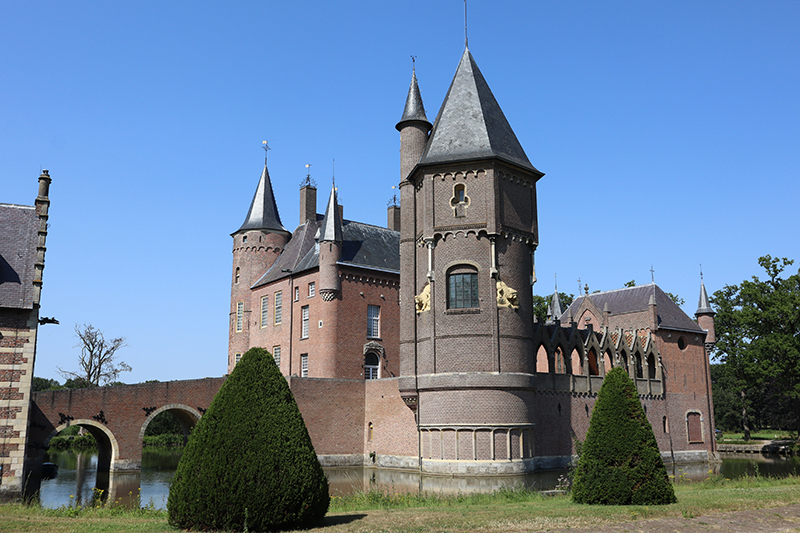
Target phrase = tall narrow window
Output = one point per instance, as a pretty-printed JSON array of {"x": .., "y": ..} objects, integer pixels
[
  {"x": 237, "y": 357},
  {"x": 297, "y": 294},
  {"x": 304, "y": 331},
  {"x": 462, "y": 290},
  {"x": 264, "y": 308},
  {"x": 373, "y": 321},
  {"x": 239, "y": 315},
  {"x": 303, "y": 365},
  {"x": 236, "y": 277},
  {"x": 276, "y": 354},
  {"x": 312, "y": 289},
  {"x": 371, "y": 365},
  {"x": 278, "y": 307}
]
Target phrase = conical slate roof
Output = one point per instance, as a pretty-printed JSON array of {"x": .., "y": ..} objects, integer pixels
[
  {"x": 470, "y": 124},
  {"x": 555, "y": 307},
  {"x": 703, "y": 307},
  {"x": 414, "y": 109},
  {"x": 330, "y": 228},
  {"x": 263, "y": 213}
]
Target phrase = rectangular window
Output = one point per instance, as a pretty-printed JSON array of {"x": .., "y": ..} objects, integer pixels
[
  {"x": 276, "y": 354},
  {"x": 303, "y": 365},
  {"x": 373, "y": 321},
  {"x": 297, "y": 294},
  {"x": 462, "y": 291},
  {"x": 264, "y": 308},
  {"x": 312, "y": 289},
  {"x": 237, "y": 358},
  {"x": 239, "y": 315},
  {"x": 278, "y": 307},
  {"x": 304, "y": 332}
]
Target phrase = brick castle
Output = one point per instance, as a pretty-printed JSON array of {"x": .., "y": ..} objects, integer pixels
[{"x": 416, "y": 346}]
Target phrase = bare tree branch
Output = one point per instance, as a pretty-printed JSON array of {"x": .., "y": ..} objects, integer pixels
[{"x": 97, "y": 360}]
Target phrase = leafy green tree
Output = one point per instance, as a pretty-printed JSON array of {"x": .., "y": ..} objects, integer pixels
[
  {"x": 164, "y": 424},
  {"x": 758, "y": 338},
  {"x": 249, "y": 462},
  {"x": 43, "y": 384},
  {"x": 620, "y": 463}
]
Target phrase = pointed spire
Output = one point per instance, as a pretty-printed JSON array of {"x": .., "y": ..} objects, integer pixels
[
  {"x": 470, "y": 124},
  {"x": 703, "y": 306},
  {"x": 263, "y": 213},
  {"x": 330, "y": 228},
  {"x": 555, "y": 306},
  {"x": 414, "y": 109}
]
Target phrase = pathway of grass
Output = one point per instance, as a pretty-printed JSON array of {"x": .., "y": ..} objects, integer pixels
[{"x": 505, "y": 511}]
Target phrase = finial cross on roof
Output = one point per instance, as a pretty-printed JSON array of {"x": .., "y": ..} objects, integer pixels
[{"x": 652, "y": 274}]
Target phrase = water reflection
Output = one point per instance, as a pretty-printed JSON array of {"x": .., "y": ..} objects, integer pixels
[{"x": 77, "y": 476}]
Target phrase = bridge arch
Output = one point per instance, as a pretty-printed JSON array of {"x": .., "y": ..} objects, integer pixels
[
  {"x": 107, "y": 447},
  {"x": 187, "y": 416}
]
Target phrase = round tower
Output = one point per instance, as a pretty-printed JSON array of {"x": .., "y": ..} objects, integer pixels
[{"x": 256, "y": 246}]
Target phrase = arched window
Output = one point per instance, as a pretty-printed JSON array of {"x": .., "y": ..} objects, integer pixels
[
  {"x": 593, "y": 369},
  {"x": 651, "y": 366},
  {"x": 462, "y": 288},
  {"x": 371, "y": 366},
  {"x": 637, "y": 358}
]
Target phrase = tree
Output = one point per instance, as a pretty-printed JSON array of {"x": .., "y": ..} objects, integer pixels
[
  {"x": 620, "y": 463},
  {"x": 97, "y": 360},
  {"x": 43, "y": 384},
  {"x": 249, "y": 462},
  {"x": 758, "y": 337}
]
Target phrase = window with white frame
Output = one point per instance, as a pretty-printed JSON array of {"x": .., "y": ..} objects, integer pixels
[
  {"x": 312, "y": 289},
  {"x": 237, "y": 358},
  {"x": 373, "y": 321},
  {"x": 297, "y": 294},
  {"x": 239, "y": 315},
  {"x": 303, "y": 365},
  {"x": 371, "y": 366},
  {"x": 278, "y": 307},
  {"x": 276, "y": 354},
  {"x": 304, "y": 314},
  {"x": 264, "y": 308}
]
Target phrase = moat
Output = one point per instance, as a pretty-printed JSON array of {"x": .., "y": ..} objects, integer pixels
[{"x": 78, "y": 476}]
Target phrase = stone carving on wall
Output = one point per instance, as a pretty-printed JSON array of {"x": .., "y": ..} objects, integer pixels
[
  {"x": 506, "y": 296},
  {"x": 423, "y": 300}
]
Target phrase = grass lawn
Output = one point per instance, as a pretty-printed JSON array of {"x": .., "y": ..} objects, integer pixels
[
  {"x": 502, "y": 511},
  {"x": 767, "y": 434}
]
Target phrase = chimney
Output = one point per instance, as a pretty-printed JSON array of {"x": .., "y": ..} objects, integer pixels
[
  {"x": 308, "y": 203},
  {"x": 393, "y": 218}
]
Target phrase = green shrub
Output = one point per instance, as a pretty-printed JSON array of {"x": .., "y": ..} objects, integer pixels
[
  {"x": 620, "y": 463},
  {"x": 165, "y": 440},
  {"x": 249, "y": 463}
]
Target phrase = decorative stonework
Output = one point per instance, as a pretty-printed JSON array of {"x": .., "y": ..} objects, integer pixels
[
  {"x": 506, "y": 296},
  {"x": 423, "y": 300}
]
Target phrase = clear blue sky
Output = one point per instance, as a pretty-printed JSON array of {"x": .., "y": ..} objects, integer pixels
[{"x": 669, "y": 134}]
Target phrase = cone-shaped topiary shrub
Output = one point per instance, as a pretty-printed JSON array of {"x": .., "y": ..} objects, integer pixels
[
  {"x": 620, "y": 463},
  {"x": 249, "y": 458}
]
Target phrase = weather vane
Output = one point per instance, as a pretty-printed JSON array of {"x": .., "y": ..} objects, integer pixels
[
  {"x": 307, "y": 181},
  {"x": 393, "y": 201},
  {"x": 466, "y": 41},
  {"x": 266, "y": 147}
]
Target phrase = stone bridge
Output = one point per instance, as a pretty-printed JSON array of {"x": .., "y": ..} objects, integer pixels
[{"x": 116, "y": 417}]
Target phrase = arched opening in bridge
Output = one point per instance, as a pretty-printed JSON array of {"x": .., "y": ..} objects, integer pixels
[
  {"x": 175, "y": 420},
  {"x": 83, "y": 448}
]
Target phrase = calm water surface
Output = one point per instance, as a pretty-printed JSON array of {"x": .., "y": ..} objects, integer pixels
[{"x": 77, "y": 476}]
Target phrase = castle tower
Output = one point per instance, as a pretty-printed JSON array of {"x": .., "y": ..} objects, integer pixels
[
  {"x": 330, "y": 249},
  {"x": 705, "y": 316},
  {"x": 256, "y": 246},
  {"x": 468, "y": 236}
]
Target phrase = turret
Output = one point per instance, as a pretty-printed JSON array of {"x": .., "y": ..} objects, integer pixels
[
  {"x": 256, "y": 246},
  {"x": 705, "y": 315},
  {"x": 414, "y": 128},
  {"x": 42, "y": 208},
  {"x": 330, "y": 249}
]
